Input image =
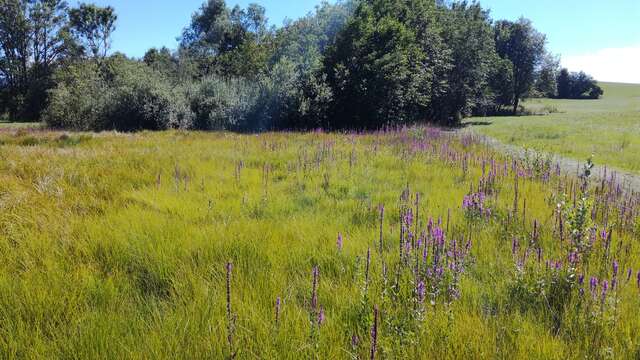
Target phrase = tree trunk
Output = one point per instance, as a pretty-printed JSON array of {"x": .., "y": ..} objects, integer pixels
[{"x": 516, "y": 102}]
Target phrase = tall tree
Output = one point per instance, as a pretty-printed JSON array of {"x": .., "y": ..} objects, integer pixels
[
  {"x": 228, "y": 41},
  {"x": 546, "y": 76},
  {"x": 577, "y": 85},
  {"x": 468, "y": 34},
  {"x": 386, "y": 64},
  {"x": 93, "y": 25},
  {"x": 524, "y": 46},
  {"x": 564, "y": 84},
  {"x": 33, "y": 40}
]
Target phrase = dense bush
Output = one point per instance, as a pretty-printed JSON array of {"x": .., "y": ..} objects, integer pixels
[
  {"x": 118, "y": 94},
  {"x": 219, "y": 104},
  {"x": 577, "y": 86}
]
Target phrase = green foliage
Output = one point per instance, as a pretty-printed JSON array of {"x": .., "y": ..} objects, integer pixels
[
  {"x": 546, "y": 78},
  {"x": 355, "y": 64},
  {"x": 384, "y": 65},
  {"x": 500, "y": 89},
  {"x": 33, "y": 41},
  {"x": 228, "y": 42},
  {"x": 118, "y": 94},
  {"x": 524, "y": 46},
  {"x": 219, "y": 104},
  {"x": 577, "y": 86},
  {"x": 93, "y": 25},
  {"x": 467, "y": 32}
]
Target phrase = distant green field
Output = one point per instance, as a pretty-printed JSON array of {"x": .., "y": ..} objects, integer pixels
[{"x": 608, "y": 128}]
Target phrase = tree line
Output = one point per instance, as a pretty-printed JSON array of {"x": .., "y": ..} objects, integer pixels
[{"x": 356, "y": 64}]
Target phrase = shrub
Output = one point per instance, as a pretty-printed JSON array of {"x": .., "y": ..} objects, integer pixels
[
  {"x": 118, "y": 94},
  {"x": 219, "y": 104},
  {"x": 273, "y": 101}
]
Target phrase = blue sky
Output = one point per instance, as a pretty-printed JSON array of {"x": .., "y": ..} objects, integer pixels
[{"x": 599, "y": 36}]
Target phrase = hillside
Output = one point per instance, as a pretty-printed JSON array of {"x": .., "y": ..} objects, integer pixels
[{"x": 609, "y": 128}]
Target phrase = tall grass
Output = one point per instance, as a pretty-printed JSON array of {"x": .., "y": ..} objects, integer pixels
[{"x": 218, "y": 245}]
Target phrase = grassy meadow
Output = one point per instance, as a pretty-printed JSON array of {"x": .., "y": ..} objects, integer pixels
[
  {"x": 609, "y": 128},
  {"x": 400, "y": 244}
]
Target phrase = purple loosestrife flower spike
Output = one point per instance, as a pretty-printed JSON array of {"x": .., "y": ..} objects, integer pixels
[
  {"x": 229, "y": 268},
  {"x": 421, "y": 291},
  {"x": 374, "y": 334},
  {"x": 321, "y": 317},
  {"x": 604, "y": 234},
  {"x": 314, "y": 290},
  {"x": 355, "y": 341},
  {"x": 278, "y": 310},
  {"x": 638, "y": 280},
  {"x": 593, "y": 285},
  {"x": 339, "y": 242},
  {"x": 605, "y": 287}
]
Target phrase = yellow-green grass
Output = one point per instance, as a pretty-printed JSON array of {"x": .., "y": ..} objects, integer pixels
[
  {"x": 19, "y": 125},
  {"x": 608, "y": 128},
  {"x": 114, "y": 246}
]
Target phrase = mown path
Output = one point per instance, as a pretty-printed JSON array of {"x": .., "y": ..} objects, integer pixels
[{"x": 628, "y": 181}]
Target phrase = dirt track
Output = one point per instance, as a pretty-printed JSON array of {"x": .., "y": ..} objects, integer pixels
[{"x": 628, "y": 181}]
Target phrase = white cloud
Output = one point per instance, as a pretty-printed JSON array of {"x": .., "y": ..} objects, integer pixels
[{"x": 612, "y": 64}]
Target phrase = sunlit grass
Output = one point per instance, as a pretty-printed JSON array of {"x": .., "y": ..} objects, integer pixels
[
  {"x": 608, "y": 128},
  {"x": 114, "y": 246}
]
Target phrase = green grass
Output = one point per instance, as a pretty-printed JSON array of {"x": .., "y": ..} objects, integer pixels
[
  {"x": 609, "y": 128},
  {"x": 114, "y": 246},
  {"x": 19, "y": 125}
]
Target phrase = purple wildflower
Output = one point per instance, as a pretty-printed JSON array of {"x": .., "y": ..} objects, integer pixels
[
  {"x": 277, "y": 309},
  {"x": 604, "y": 234},
  {"x": 339, "y": 242},
  {"x": 355, "y": 341},
  {"x": 408, "y": 218},
  {"x": 321, "y": 317},
  {"x": 229, "y": 268},
  {"x": 593, "y": 285},
  {"x": 421, "y": 291},
  {"x": 374, "y": 334}
]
